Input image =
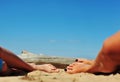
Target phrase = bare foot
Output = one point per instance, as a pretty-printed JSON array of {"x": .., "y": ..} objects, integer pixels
[
  {"x": 77, "y": 67},
  {"x": 45, "y": 67},
  {"x": 85, "y": 61}
]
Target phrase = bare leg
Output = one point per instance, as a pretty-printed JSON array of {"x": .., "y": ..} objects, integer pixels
[
  {"x": 109, "y": 57},
  {"x": 12, "y": 61},
  {"x": 106, "y": 62}
]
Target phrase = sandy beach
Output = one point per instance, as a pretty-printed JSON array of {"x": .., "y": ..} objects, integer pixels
[
  {"x": 62, "y": 76},
  {"x": 40, "y": 76},
  {"x": 70, "y": 35}
]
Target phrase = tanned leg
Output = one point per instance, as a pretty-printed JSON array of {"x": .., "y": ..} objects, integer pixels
[
  {"x": 107, "y": 60},
  {"x": 109, "y": 57},
  {"x": 13, "y": 61}
]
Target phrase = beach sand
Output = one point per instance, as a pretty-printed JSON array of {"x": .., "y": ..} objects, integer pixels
[
  {"x": 40, "y": 76},
  {"x": 62, "y": 76}
]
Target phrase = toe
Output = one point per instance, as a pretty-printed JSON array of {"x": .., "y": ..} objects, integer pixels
[{"x": 70, "y": 71}]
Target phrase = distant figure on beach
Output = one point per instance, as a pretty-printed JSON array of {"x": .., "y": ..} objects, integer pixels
[
  {"x": 107, "y": 61},
  {"x": 9, "y": 63}
]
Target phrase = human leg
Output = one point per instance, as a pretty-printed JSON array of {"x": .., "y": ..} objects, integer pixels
[
  {"x": 13, "y": 61},
  {"x": 107, "y": 60}
]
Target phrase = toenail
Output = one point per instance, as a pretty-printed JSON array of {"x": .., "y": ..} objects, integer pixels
[
  {"x": 76, "y": 60},
  {"x": 65, "y": 69}
]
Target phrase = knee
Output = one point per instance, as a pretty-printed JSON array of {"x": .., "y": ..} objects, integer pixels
[{"x": 106, "y": 47}]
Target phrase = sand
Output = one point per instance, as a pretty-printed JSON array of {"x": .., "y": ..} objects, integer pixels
[{"x": 40, "y": 76}]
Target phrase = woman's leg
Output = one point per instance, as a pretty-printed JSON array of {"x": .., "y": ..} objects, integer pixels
[
  {"x": 13, "y": 61},
  {"x": 109, "y": 57},
  {"x": 107, "y": 60}
]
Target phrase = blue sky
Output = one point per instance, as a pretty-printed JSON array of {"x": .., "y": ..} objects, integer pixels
[{"x": 67, "y": 28}]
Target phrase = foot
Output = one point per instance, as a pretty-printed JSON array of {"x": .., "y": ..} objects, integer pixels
[
  {"x": 46, "y": 67},
  {"x": 77, "y": 67},
  {"x": 85, "y": 61}
]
